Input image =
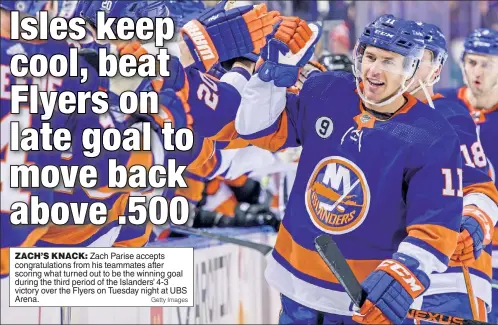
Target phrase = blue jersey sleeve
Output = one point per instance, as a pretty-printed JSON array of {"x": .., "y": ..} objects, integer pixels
[
  {"x": 271, "y": 117},
  {"x": 213, "y": 103},
  {"x": 475, "y": 167},
  {"x": 478, "y": 187},
  {"x": 434, "y": 197}
]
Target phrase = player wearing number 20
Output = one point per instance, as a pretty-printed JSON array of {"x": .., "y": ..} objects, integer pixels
[
  {"x": 373, "y": 173},
  {"x": 448, "y": 292}
]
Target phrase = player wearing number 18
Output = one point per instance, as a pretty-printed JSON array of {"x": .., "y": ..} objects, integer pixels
[
  {"x": 479, "y": 65},
  {"x": 448, "y": 291},
  {"x": 372, "y": 173}
]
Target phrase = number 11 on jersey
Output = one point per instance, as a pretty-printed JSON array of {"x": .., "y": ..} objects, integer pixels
[{"x": 449, "y": 189}]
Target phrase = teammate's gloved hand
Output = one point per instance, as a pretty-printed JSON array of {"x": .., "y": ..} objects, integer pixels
[
  {"x": 307, "y": 71},
  {"x": 476, "y": 231},
  {"x": 134, "y": 48},
  {"x": 220, "y": 33},
  {"x": 391, "y": 289},
  {"x": 173, "y": 107},
  {"x": 289, "y": 47},
  {"x": 173, "y": 96},
  {"x": 176, "y": 81}
]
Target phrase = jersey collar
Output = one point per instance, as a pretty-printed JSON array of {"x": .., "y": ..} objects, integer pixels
[
  {"x": 479, "y": 115},
  {"x": 433, "y": 98},
  {"x": 410, "y": 102}
]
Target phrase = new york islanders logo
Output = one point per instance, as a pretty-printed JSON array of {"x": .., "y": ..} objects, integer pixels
[{"x": 337, "y": 196}]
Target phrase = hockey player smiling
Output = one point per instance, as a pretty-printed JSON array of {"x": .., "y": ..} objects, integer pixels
[
  {"x": 385, "y": 75},
  {"x": 382, "y": 72},
  {"x": 370, "y": 150}
]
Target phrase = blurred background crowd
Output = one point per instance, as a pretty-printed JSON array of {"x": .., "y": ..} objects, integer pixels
[{"x": 344, "y": 19}]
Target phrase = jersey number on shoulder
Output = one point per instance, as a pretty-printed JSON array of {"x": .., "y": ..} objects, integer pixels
[
  {"x": 207, "y": 91},
  {"x": 478, "y": 157},
  {"x": 449, "y": 189}
]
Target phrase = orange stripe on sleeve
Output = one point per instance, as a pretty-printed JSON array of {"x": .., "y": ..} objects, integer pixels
[
  {"x": 138, "y": 241},
  {"x": 488, "y": 189},
  {"x": 75, "y": 234},
  {"x": 141, "y": 158},
  {"x": 30, "y": 241},
  {"x": 237, "y": 144},
  {"x": 213, "y": 186},
  {"x": 34, "y": 236},
  {"x": 206, "y": 152},
  {"x": 206, "y": 168},
  {"x": 438, "y": 237},
  {"x": 238, "y": 182},
  {"x": 118, "y": 208},
  {"x": 137, "y": 158},
  {"x": 274, "y": 141},
  {"x": 4, "y": 261},
  {"x": 193, "y": 191},
  {"x": 71, "y": 234},
  {"x": 310, "y": 263},
  {"x": 227, "y": 207},
  {"x": 227, "y": 133}
]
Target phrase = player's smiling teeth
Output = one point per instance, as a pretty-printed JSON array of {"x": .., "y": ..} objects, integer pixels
[{"x": 375, "y": 82}]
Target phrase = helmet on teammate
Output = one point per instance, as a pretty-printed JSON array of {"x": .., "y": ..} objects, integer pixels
[
  {"x": 27, "y": 7},
  {"x": 481, "y": 41},
  {"x": 435, "y": 42},
  {"x": 429, "y": 70},
  {"x": 333, "y": 62},
  {"x": 479, "y": 61},
  {"x": 182, "y": 11},
  {"x": 395, "y": 35}
]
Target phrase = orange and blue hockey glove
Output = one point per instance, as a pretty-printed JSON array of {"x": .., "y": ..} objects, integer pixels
[
  {"x": 219, "y": 33},
  {"x": 307, "y": 71},
  {"x": 173, "y": 107},
  {"x": 476, "y": 231},
  {"x": 391, "y": 289},
  {"x": 288, "y": 48}
]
